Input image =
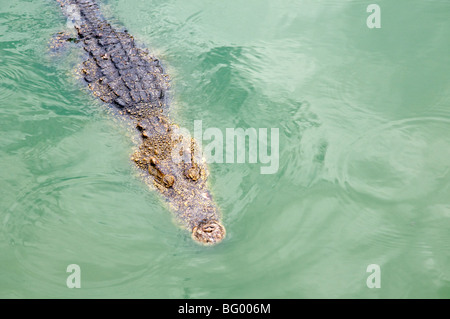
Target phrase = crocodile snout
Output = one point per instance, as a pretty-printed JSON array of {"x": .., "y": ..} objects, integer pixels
[{"x": 209, "y": 232}]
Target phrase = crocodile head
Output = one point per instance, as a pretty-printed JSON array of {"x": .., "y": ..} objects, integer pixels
[
  {"x": 175, "y": 166},
  {"x": 193, "y": 204},
  {"x": 191, "y": 201}
]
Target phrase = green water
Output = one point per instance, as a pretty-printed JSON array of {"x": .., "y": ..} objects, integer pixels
[{"x": 364, "y": 120}]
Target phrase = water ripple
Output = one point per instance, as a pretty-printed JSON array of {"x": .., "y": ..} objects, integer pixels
[
  {"x": 12, "y": 73},
  {"x": 43, "y": 213},
  {"x": 402, "y": 160}
]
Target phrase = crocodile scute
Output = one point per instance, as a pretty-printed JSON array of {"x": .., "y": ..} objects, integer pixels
[{"x": 125, "y": 76}]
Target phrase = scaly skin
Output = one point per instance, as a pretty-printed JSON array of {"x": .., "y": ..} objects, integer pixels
[{"x": 122, "y": 75}]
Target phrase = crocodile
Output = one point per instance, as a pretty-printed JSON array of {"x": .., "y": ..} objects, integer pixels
[{"x": 134, "y": 83}]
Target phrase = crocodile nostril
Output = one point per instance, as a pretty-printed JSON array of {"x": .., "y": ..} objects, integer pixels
[
  {"x": 209, "y": 232},
  {"x": 209, "y": 228}
]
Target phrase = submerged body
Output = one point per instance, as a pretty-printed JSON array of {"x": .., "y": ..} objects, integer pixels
[{"x": 125, "y": 76}]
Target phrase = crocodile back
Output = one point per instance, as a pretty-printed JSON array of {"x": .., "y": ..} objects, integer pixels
[{"x": 117, "y": 71}]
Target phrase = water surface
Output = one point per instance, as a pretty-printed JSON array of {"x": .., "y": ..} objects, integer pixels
[{"x": 364, "y": 122}]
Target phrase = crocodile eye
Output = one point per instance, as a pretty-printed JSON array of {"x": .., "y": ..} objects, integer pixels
[
  {"x": 153, "y": 160},
  {"x": 193, "y": 173},
  {"x": 168, "y": 180}
]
